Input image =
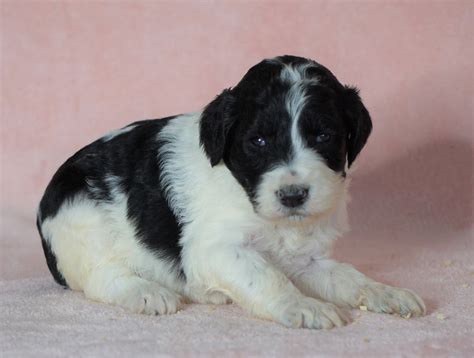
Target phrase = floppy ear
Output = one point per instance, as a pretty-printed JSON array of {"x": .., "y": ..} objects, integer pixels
[
  {"x": 216, "y": 121},
  {"x": 358, "y": 122}
]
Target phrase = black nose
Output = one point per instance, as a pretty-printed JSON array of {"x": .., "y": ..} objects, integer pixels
[{"x": 292, "y": 195}]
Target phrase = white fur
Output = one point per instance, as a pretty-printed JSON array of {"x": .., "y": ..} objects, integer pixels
[
  {"x": 117, "y": 132},
  {"x": 294, "y": 73},
  {"x": 327, "y": 189}
]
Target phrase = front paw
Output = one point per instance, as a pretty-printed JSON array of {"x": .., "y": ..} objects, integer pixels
[
  {"x": 381, "y": 298},
  {"x": 306, "y": 312}
]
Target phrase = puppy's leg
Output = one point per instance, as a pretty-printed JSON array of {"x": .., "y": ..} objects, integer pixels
[
  {"x": 118, "y": 286},
  {"x": 94, "y": 247},
  {"x": 343, "y": 285},
  {"x": 252, "y": 282}
]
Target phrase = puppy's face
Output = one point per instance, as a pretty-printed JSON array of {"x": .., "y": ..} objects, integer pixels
[{"x": 285, "y": 132}]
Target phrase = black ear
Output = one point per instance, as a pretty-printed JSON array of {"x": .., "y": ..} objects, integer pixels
[
  {"x": 216, "y": 121},
  {"x": 358, "y": 122}
]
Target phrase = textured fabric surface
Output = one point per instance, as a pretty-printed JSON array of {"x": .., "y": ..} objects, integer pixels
[
  {"x": 72, "y": 71},
  {"x": 41, "y": 319}
]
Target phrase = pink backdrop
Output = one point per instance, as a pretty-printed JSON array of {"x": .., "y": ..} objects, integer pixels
[{"x": 72, "y": 71}]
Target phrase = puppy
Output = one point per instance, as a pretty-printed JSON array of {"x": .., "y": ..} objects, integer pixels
[{"x": 239, "y": 202}]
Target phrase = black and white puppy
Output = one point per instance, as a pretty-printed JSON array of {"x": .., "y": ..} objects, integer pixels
[{"x": 239, "y": 202}]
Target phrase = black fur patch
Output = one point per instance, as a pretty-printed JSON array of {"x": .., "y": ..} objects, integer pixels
[
  {"x": 131, "y": 157},
  {"x": 322, "y": 115}
]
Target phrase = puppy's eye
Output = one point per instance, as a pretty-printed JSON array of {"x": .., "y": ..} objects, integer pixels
[
  {"x": 323, "y": 138},
  {"x": 258, "y": 142}
]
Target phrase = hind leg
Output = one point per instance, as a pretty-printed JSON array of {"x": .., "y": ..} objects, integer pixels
[
  {"x": 120, "y": 287},
  {"x": 97, "y": 253}
]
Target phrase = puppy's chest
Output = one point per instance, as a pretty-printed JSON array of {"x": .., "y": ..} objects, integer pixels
[{"x": 289, "y": 248}]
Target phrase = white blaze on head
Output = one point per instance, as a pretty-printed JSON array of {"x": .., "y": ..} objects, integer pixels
[
  {"x": 295, "y": 102},
  {"x": 296, "y": 97}
]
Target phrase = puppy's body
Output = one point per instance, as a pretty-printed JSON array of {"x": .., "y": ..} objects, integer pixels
[{"x": 239, "y": 202}]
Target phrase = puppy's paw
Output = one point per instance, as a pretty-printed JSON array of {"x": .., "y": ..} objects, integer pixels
[
  {"x": 150, "y": 298},
  {"x": 217, "y": 298},
  {"x": 308, "y": 312},
  {"x": 386, "y": 299}
]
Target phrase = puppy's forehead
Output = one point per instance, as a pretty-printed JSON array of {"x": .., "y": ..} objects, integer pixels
[
  {"x": 284, "y": 87},
  {"x": 286, "y": 69},
  {"x": 284, "y": 84}
]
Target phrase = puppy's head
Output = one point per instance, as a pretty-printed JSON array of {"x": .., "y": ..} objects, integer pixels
[{"x": 286, "y": 132}]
